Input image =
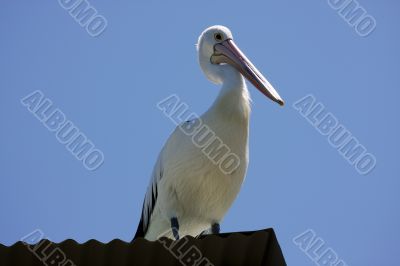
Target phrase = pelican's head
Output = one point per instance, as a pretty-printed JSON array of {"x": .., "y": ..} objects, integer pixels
[{"x": 217, "y": 48}]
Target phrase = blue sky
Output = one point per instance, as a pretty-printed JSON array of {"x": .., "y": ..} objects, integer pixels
[{"x": 109, "y": 85}]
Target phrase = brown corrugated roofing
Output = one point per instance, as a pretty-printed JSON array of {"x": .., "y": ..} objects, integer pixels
[{"x": 244, "y": 248}]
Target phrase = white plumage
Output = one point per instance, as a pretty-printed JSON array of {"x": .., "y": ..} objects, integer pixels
[{"x": 185, "y": 183}]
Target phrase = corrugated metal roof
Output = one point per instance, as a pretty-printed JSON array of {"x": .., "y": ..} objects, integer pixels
[{"x": 244, "y": 248}]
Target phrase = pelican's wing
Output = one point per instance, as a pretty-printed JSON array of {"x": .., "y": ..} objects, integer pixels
[
  {"x": 150, "y": 198},
  {"x": 175, "y": 141}
]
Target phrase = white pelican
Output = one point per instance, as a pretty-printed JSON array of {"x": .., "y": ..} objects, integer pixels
[{"x": 189, "y": 194}]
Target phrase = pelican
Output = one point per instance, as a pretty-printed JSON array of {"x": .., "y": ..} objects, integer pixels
[{"x": 188, "y": 193}]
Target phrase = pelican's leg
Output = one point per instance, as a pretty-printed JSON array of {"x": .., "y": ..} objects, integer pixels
[
  {"x": 175, "y": 227},
  {"x": 215, "y": 228}
]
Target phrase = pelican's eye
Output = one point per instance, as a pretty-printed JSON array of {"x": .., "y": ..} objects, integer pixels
[{"x": 218, "y": 37}]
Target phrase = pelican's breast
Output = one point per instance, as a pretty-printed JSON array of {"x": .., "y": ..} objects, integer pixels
[{"x": 198, "y": 184}]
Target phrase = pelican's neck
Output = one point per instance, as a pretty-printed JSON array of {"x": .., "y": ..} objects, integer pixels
[{"x": 233, "y": 100}]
